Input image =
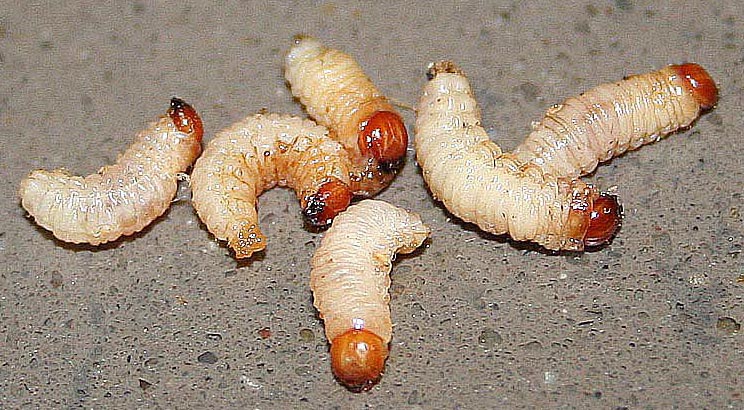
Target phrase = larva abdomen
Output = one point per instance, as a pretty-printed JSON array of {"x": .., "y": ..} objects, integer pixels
[
  {"x": 122, "y": 198},
  {"x": 256, "y": 154},
  {"x": 613, "y": 118},
  {"x": 350, "y": 278}
]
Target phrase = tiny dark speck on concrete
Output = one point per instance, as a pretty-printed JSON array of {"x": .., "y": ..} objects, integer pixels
[
  {"x": 624, "y": 4},
  {"x": 207, "y": 357},
  {"x": 414, "y": 398},
  {"x": 265, "y": 333},
  {"x": 307, "y": 335},
  {"x": 529, "y": 91},
  {"x": 144, "y": 384},
  {"x": 56, "y": 281},
  {"x": 490, "y": 338}
]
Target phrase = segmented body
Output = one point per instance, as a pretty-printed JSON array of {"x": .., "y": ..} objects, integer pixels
[
  {"x": 336, "y": 93},
  {"x": 254, "y": 155},
  {"x": 350, "y": 273},
  {"x": 613, "y": 118},
  {"x": 122, "y": 198},
  {"x": 479, "y": 183},
  {"x": 350, "y": 270}
]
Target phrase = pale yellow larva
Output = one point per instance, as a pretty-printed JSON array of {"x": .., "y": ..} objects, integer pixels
[
  {"x": 612, "y": 118},
  {"x": 479, "y": 183},
  {"x": 122, "y": 198},
  {"x": 256, "y": 154},
  {"x": 350, "y": 278},
  {"x": 337, "y": 94}
]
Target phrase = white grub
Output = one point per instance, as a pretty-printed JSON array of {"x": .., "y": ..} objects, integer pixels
[
  {"x": 613, "y": 118},
  {"x": 350, "y": 274},
  {"x": 256, "y": 154},
  {"x": 339, "y": 95},
  {"x": 122, "y": 198},
  {"x": 479, "y": 183}
]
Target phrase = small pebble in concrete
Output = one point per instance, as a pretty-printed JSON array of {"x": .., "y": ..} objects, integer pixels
[
  {"x": 207, "y": 357},
  {"x": 307, "y": 335},
  {"x": 728, "y": 325},
  {"x": 265, "y": 333}
]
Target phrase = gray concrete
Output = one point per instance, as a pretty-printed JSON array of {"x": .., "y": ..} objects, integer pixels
[{"x": 167, "y": 319}]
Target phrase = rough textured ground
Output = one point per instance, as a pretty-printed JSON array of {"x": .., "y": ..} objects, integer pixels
[{"x": 167, "y": 319}]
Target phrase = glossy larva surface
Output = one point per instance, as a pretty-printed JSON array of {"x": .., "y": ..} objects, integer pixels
[
  {"x": 122, "y": 198},
  {"x": 256, "y": 154}
]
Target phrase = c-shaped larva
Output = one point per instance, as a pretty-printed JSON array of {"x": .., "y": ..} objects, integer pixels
[
  {"x": 350, "y": 278},
  {"x": 479, "y": 183},
  {"x": 612, "y": 118},
  {"x": 122, "y": 198},
  {"x": 256, "y": 154},
  {"x": 338, "y": 95}
]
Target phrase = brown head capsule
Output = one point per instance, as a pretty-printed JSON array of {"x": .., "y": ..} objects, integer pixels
[
  {"x": 699, "y": 83},
  {"x": 332, "y": 197},
  {"x": 185, "y": 118},
  {"x": 604, "y": 220},
  {"x": 357, "y": 358},
  {"x": 384, "y": 137}
]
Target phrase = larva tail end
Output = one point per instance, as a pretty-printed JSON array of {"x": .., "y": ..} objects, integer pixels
[
  {"x": 250, "y": 239},
  {"x": 185, "y": 117},
  {"x": 435, "y": 69},
  {"x": 332, "y": 198},
  {"x": 384, "y": 137},
  {"x": 699, "y": 83},
  {"x": 358, "y": 358},
  {"x": 604, "y": 220}
]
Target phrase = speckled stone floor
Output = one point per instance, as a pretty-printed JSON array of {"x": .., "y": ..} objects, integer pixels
[{"x": 167, "y": 319}]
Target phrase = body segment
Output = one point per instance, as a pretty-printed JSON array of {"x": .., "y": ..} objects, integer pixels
[{"x": 122, "y": 198}]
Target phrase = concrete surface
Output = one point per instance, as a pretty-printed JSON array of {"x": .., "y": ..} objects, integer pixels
[{"x": 167, "y": 319}]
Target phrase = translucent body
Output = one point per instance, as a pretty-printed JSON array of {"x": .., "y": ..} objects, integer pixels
[
  {"x": 122, "y": 198},
  {"x": 613, "y": 118},
  {"x": 479, "y": 183},
  {"x": 337, "y": 94},
  {"x": 256, "y": 154},
  {"x": 350, "y": 275}
]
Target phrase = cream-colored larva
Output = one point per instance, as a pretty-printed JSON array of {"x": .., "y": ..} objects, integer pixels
[
  {"x": 256, "y": 154},
  {"x": 612, "y": 118},
  {"x": 350, "y": 278},
  {"x": 479, "y": 183},
  {"x": 122, "y": 198},
  {"x": 338, "y": 95}
]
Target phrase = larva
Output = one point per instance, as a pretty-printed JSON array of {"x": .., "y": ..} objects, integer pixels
[
  {"x": 122, "y": 198},
  {"x": 256, "y": 154},
  {"x": 479, "y": 183},
  {"x": 612, "y": 118},
  {"x": 350, "y": 278},
  {"x": 338, "y": 95}
]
